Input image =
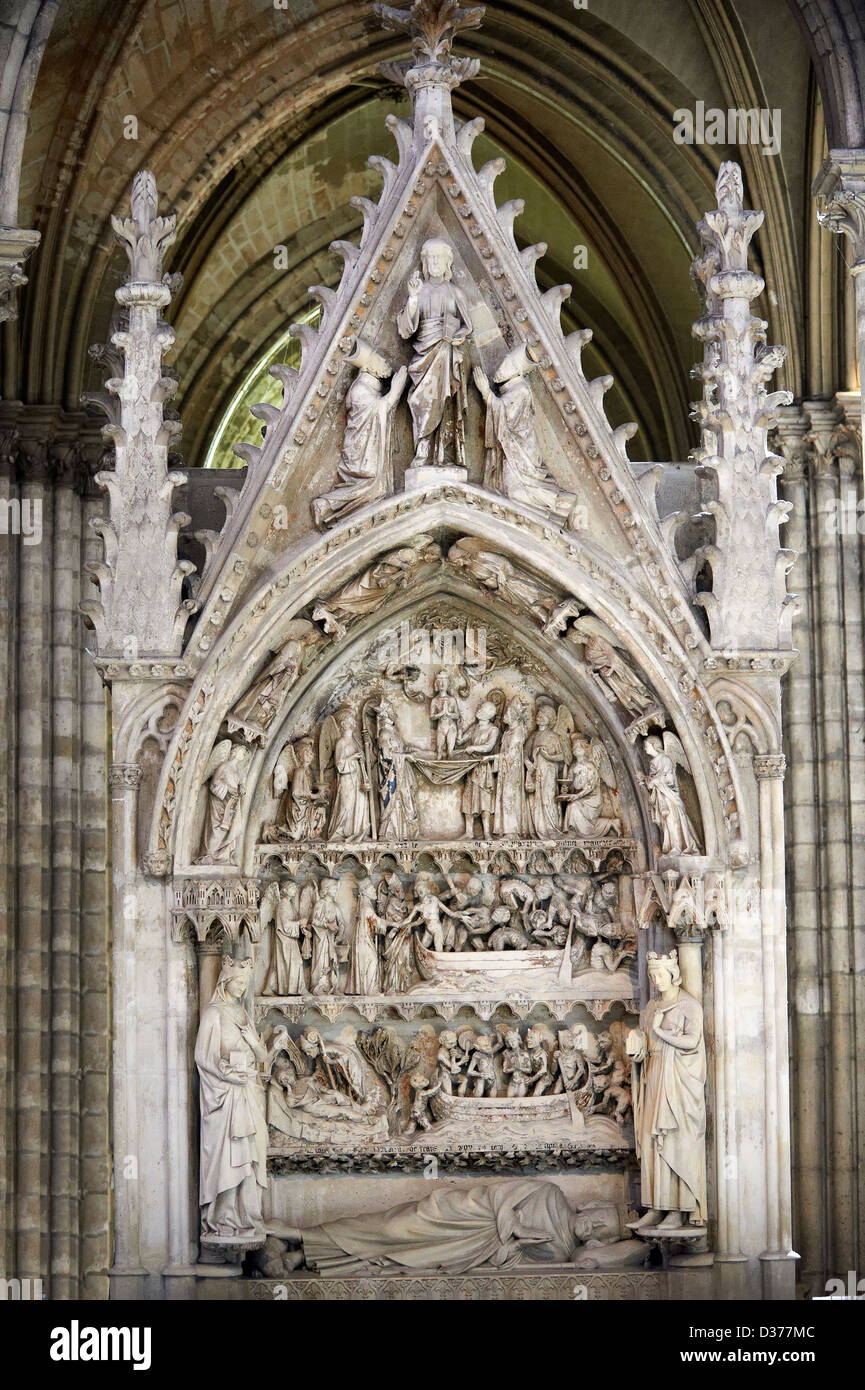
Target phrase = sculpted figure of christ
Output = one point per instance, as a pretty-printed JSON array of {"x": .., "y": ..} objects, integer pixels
[{"x": 436, "y": 316}]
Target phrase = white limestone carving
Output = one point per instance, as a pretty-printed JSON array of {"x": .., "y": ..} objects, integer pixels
[
  {"x": 669, "y": 1060},
  {"x": 513, "y": 464},
  {"x": 747, "y": 602},
  {"x": 304, "y": 811},
  {"x": 281, "y": 905},
  {"x": 469, "y": 1226},
  {"x": 363, "y": 595},
  {"x": 365, "y": 469},
  {"x": 665, "y": 754},
  {"x": 225, "y": 779},
  {"x": 141, "y": 609},
  {"x": 233, "y": 1168},
  {"x": 437, "y": 319},
  {"x": 253, "y": 715}
]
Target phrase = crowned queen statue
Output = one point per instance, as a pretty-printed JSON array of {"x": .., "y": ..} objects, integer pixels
[
  {"x": 668, "y": 1055},
  {"x": 233, "y": 1167}
]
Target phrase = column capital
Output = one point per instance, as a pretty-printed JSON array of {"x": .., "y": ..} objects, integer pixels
[
  {"x": 16, "y": 244},
  {"x": 769, "y": 765},
  {"x": 125, "y": 775},
  {"x": 840, "y": 185}
]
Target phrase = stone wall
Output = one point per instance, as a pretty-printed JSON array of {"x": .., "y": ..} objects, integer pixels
[{"x": 54, "y": 1003}]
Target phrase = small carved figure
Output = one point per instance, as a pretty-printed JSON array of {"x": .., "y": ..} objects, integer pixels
[
  {"x": 544, "y": 755},
  {"x": 428, "y": 909},
  {"x": 478, "y": 792},
  {"x": 589, "y": 773},
  {"x": 678, "y": 835},
  {"x": 364, "y": 967},
  {"x": 255, "y": 711},
  {"x": 450, "y": 1061},
  {"x": 366, "y": 593},
  {"x": 569, "y": 1064},
  {"x": 350, "y": 818},
  {"x": 437, "y": 317},
  {"x": 285, "y": 974},
  {"x": 510, "y": 812},
  {"x": 514, "y": 465},
  {"x": 397, "y": 790},
  {"x": 482, "y": 1067},
  {"x": 496, "y": 573},
  {"x": 516, "y": 1064},
  {"x": 423, "y": 1089},
  {"x": 540, "y": 1077},
  {"x": 226, "y": 787},
  {"x": 327, "y": 928},
  {"x": 365, "y": 471},
  {"x": 444, "y": 713},
  {"x": 305, "y": 809}
]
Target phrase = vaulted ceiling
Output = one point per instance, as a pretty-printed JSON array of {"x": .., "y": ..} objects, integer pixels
[{"x": 257, "y": 121}]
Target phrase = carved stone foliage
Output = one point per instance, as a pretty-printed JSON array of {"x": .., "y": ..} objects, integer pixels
[
  {"x": 140, "y": 610},
  {"x": 746, "y": 598}
]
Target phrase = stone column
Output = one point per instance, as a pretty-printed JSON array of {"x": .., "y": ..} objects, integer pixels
[
  {"x": 33, "y": 817},
  {"x": 800, "y": 723},
  {"x": 840, "y": 185},
  {"x": 95, "y": 998},
  {"x": 65, "y": 1041},
  {"x": 123, "y": 781},
  {"x": 778, "y": 1259}
]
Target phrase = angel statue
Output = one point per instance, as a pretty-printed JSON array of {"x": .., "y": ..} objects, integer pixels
[
  {"x": 225, "y": 777},
  {"x": 365, "y": 470},
  {"x": 545, "y": 751},
  {"x": 436, "y": 315},
  {"x": 588, "y": 775},
  {"x": 339, "y": 747},
  {"x": 495, "y": 572},
  {"x": 253, "y": 715},
  {"x": 678, "y": 835},
  {"x": 612, "y": 673},
  {"x": 391, "y": 573},
  {"x": 513, "y": 457},
  {"x": 305, "y": 809}
]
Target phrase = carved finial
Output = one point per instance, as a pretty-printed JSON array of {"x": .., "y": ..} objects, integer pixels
[
  {"x": 729, "y": 189},
  {"x": 434, "y": 25},
  {"x": 145, "y": 236}
]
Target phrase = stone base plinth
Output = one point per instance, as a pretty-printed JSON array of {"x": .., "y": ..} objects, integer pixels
[{"x": 433, "y": 475}]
